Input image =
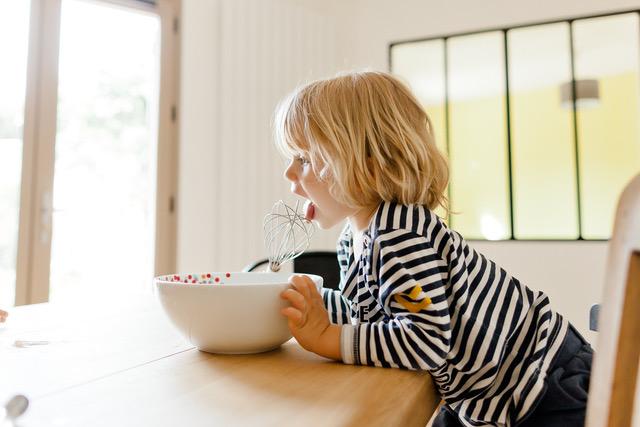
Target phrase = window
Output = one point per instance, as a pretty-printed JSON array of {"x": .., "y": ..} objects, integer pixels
[
  {"x": 477, "y": 136},
  {"x": 423, "y": 65},
  {"x": 87, "y": 118},
  {"x": 606, "y": 53},
  {"x": 540, "y": 123},
  {"x": 105, "y": 152},
  {"x": 542, "y": 141}
]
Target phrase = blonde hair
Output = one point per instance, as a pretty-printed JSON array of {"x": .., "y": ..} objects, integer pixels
[{"x": 368, "y": 136}]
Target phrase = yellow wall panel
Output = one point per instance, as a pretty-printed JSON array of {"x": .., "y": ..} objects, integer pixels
[
  {"x": 609, "y": 149},
  {"x": 543, "y": 161},
  {"x": 479, "y": 177}
]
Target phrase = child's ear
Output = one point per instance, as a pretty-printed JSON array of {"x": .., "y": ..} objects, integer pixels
[{"x": 325, "y": 174}]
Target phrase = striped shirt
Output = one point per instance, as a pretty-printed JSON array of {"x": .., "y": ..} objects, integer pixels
[{"x": 420, "y": 298}]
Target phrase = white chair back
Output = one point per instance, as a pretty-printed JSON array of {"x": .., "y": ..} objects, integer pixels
[{"x": 613, "y": 388}]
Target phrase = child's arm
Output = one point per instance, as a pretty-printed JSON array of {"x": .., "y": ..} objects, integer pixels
[
  {"x": 3, "y": 315},
  {"x": 337, "y": 306},
  {"x": 309, "y": 320},
  {"x": 413, "y": 289}
]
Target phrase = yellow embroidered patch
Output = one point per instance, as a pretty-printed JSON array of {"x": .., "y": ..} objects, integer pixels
[
  {"x": 415, "y": 292},
  {"x": 412, "y": 306}
]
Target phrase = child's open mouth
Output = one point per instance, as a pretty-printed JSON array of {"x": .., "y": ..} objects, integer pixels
[{"x": 309, "y": 210}]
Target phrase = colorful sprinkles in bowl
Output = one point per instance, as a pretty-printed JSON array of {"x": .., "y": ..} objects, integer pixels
[{"x": 199, "y": 279}]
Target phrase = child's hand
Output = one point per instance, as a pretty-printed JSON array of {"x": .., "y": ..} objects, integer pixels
[
  {"x": 308, "y": 318},
  {"x": 3, "y": 315}
]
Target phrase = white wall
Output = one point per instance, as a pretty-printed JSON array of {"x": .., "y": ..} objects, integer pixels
[
  {"x": 241, "y": 56},
  {"x": 373, "y": 24}
]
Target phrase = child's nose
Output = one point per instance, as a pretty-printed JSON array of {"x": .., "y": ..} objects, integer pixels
[{"x": 289, "y": 172}]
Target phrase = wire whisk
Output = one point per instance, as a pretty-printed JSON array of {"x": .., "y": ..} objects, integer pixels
[{"x": 287, "y": 234}]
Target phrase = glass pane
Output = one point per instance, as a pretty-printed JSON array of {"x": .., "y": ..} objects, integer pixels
[
  {"x": 478, "y": 136},
  {"x": 14, "y": 41},
  {"x": 421, "y": 65},
  {"x": 606, "y": 52},
  {"x": 104, "y": 176},
  {"x": 542, "y": 142}
]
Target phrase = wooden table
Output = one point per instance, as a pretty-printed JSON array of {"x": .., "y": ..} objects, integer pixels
[{"x": 117, "y": 363}]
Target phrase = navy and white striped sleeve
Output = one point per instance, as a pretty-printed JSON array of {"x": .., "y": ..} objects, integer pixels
[
  {"x": 338, "y": 307},
  {"x": 412, "y": 281}
]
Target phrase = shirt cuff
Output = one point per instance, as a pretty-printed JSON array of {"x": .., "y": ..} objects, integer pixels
[{"x": 346, "y": 344}]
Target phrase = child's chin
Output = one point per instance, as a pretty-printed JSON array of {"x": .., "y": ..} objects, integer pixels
[
  {"x": 321, "y": 224},
  {"x": 324, "y": 224}
]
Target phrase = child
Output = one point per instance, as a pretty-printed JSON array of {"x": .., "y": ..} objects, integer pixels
[{"x": 413, "y": 294}]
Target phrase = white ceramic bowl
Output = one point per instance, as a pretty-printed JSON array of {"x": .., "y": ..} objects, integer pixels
[{"x": 228, "y": 313}]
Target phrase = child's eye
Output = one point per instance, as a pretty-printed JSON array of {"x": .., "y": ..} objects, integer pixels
[{"x": 303, "y": 161}]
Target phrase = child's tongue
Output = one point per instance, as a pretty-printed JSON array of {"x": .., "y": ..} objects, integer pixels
[{"x": 309, "y": 210}]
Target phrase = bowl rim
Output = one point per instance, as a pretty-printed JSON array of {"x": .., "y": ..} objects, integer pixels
[{"x": 158, "y": 280}]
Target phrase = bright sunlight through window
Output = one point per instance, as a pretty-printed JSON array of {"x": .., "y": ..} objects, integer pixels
[{"x": 104, "y": 181}]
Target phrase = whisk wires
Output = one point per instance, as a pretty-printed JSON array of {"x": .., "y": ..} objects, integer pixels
[{"x": 287, "y": 234}]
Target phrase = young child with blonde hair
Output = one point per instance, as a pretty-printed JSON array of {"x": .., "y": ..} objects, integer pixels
[{"x": 413, "y": 294}]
